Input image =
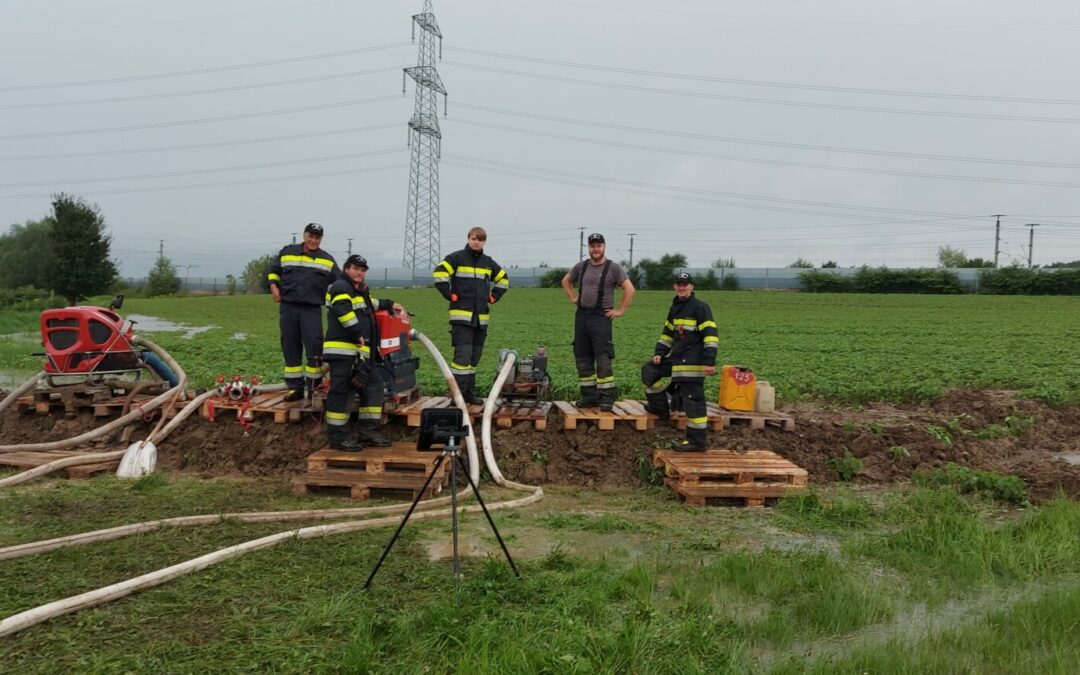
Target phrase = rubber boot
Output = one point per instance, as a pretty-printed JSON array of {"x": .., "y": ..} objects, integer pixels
[
  {"x": 369, "y": 435},
  {"x": 657, "y": 404},
  {"x": 294, "y": 395},
  {"x": 607, "y": 399},
  {"x": 694, "y": 442},
  {"x": 338, "y": 439},
  {"x": 470, "y": 392},
  {"x": 590, "y": 397}
]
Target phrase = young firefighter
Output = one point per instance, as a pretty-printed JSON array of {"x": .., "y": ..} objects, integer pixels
[
  {"x": 472, "y": 282},
  {"x": 685, "y": 352},
  {"x": 596, "y": 279},
  {"x": 298, "y": 280},
  {"x": 351, "y": 348}
]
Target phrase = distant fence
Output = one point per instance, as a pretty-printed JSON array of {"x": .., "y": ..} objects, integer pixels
[{"x": 771, "y": 278}]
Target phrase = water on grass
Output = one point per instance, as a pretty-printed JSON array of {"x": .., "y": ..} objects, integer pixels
[{"x": 153, "y": 324}]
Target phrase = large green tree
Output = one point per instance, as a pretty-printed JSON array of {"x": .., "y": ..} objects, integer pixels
[
  {"x": 26, "y": 255},
  {"x": 254, "y": 274},
  {"x": 80, "y": 250},
  {"x": 658, "y": 273}
]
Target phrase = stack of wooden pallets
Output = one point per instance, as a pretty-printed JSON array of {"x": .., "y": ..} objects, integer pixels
[
  {"x": 748, "y": 478},
  {"x": 397, "y": 471}
]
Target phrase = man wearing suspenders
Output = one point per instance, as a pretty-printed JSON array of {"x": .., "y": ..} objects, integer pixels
[{"x": 594, "y": 295}]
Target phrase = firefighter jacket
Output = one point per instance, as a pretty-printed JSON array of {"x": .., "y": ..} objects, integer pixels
[
  {"x": 689, "y": 339},
  {"x": 350, "y": 318},
  {"x": 470, "y": 281},
  {"x": 303, "y": 277}
]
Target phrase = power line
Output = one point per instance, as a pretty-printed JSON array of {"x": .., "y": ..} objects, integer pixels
[
  {"x": 767, "y": 143},
  {"x": 203, "y": 71},
  {"x": 765, "y": 101},
  {"x": 762, "y": 83},
  {"x": 197, "y": 92},
  {"x": 774, "y": 162},
  {"x": 204, "y": 120}
]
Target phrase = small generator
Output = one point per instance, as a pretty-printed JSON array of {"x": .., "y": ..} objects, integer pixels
[
  {"x": 397, "y": 367},
  {"x": 529, "y": 380}
]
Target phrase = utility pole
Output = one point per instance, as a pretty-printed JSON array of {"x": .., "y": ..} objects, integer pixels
[
  {"x": 294, "y": 237},
  {"x": 581, "y": 243},
  {"x": 632, "y": 235},
  {"x": 422, "y": 238},
  {"x": 997, "y": 238},
  {"x": 1031, "y": 240},
  {"x": 161, "y": 248},
  {"x": 350, "y": 247}
]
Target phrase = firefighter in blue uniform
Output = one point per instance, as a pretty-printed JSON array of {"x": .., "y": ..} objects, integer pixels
[
  {"x": 471, "y": 281},
  {"x": 298, "y": 280},
  {"x": 351, "y": 350},
  {"x": 685, "y": 352}
]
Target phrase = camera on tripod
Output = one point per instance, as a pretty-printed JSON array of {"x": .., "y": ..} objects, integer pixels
[{"x": 440, "y": 426}]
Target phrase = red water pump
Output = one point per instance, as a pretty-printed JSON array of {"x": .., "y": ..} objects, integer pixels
[
  {"x": 397, "y": 368},
  {"x": 87, "y": 340}
]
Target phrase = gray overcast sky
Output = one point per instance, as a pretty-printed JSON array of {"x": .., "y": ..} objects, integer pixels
[{"x": 789, "y": 129}]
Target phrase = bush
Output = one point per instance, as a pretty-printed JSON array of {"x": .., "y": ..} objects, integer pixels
[
  {"x": 553, "y": 277},
  {"x": 1017, "y": 280},
  {"x": 730, "y": 282},
  {"x": 162, "y": 279},
  {"x": 817, "y": 281},
  {"x": 28, "y": 298},
  {"x": 884, "y": 280}
]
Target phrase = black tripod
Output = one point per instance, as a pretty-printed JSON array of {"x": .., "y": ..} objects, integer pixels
[{"x": 434, "y": 433}]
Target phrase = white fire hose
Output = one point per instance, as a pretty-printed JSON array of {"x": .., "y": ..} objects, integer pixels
[{"x": 22, "y": 620}]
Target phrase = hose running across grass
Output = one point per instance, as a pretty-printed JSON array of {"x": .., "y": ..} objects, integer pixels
[{"x": 22, "y": 620}]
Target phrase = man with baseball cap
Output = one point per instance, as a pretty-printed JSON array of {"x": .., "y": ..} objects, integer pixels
[
  {"x": 596, "y": 280},
  {"x": 685, "y": 352},
  {"x": 298, "y": 280},
  {"x": 352, "y": 350}
]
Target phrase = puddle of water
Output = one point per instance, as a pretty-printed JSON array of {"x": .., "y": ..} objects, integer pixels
[
  {"x": 153, "y": 324},
  {"x": 239, "y": 336},
  {"x": 1071, "y": 458}
]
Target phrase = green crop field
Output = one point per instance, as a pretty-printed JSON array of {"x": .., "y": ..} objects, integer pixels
[{"x": 847, "y": 348}]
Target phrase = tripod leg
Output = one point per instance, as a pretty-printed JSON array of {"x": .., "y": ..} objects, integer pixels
[
  {"x": 491, "y": 522},
  {"x": 393, "y": 540},
  {"x": 453, "y": 518}
]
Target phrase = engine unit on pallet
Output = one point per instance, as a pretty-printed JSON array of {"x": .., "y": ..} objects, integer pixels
[
  {"x": 529, "y": 380},
  {"x": 397, "y": 368}
]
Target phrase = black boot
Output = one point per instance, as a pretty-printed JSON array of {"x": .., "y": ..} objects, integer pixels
[
  {"x": 590, "y": 397},
  {"x": 371, "y": 436},
  {"x": 338, "y": 439},
  {"x": 695, "y": 441},
  {"x": 657, "y": 404},
  {"x": 295, "y": 395},
  {"x": 607, "y": 399},
  {"x": 470, "y": 395}
]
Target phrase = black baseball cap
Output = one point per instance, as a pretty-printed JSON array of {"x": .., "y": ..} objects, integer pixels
[
  {"x": 684, "y": 278},
  {"x": 314, "y": 228},
  {"x": 356, "y": 261},
  {"x": 596, "y": 237}
]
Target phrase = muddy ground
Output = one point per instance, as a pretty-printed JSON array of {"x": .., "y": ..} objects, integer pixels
[{"x": 1042, "y": 444}]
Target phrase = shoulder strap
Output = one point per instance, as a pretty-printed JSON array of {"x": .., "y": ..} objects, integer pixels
[{"x": 600, "y": 285}]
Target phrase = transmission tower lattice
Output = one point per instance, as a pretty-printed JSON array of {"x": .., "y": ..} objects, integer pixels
[{"x": 425, "y": 139}]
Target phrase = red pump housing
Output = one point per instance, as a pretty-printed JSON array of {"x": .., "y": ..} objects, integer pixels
[{"x": 81, "y": 340}]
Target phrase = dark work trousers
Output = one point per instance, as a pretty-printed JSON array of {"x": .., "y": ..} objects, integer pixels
[
  {"x": 468, "y": 344},
  {"x": 692, "y": 391},
  {"x": 345, "y": 374},
  {"x": 301, "y": 332},
  {"x": 593, "y": 353}
]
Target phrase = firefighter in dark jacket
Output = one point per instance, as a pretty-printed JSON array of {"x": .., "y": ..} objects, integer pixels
[
  {"x": 685, "y": 352},
  {"x": 351, "y": 350},
  {"x": 298, "y": 279},
  {"x": 471, "y": 281}
]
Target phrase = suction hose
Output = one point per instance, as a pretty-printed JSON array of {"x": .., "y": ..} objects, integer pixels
[
  {"x": 91, "y": 458},
  {"x": 20, "y": 390},
  {"x": 455, "y": 393}
]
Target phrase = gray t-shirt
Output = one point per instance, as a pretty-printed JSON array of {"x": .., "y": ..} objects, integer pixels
[{"x": 615, "y": 277}]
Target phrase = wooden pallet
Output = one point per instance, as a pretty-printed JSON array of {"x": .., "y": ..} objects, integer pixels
[
  {"x": 721, "y": 418},
  {"x": 30, "y": 460},
  {"x": 395, "y": 471},
  {"x": 271, "y": 403},
  {"x": 48, "y": 402},
  {"x": 632, "y": 412},
  {"x": 513, "y": 411},
  {"x": 405, "y": 398},
  {"x": 412, "y": 411},
  {"x": 748, "y": 477}
]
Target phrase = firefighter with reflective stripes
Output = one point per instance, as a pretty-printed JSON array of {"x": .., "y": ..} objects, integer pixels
[
  {"x": 471, "y": 281},
  {"x": 298, "y": 279},
  {"x": 685, "y": 352},
  {"x": 351, "y": 350},
  {"x": 596, "y": 279}
]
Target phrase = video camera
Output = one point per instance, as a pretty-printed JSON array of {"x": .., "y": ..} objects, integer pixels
[{"x": 441, "y": 426}]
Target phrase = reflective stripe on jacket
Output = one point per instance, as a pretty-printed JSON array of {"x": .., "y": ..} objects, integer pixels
[
  {"x": 690, "y": 338},
  {"x": 473, "y": 278},
  {"x": 303, "y": 277},
  {"x": 349, "y": 318}
]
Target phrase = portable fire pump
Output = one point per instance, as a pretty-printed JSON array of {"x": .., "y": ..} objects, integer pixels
[
  {"x": 397, "y": 368},
  {"x": 529, "y": 380},
  {"x": 86, "y": 343}
]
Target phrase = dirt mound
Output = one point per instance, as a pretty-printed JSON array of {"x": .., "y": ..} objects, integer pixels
[{"x": 990, "y": 430}]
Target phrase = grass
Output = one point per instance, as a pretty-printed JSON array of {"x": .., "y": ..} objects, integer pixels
[
  {"x": 655, "y": 588},
  {"x": 848, "y": 348}
]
